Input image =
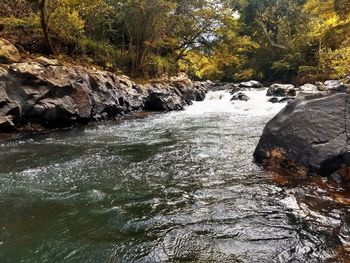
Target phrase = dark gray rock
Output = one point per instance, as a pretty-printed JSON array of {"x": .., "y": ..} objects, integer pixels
[
  {"x": 274, "y": 100},
  {"x": 281, "y": 90},
  {"x": 286, "y": 100},
  {"x": 158, "y": 101},
  {"x": 234, "y": 88},
  {"x": 310, "y": 134},
  {"x": 281, "y": 100},
  {"x": 50, "y": 94},
  {"x": 240, "y": 96}
]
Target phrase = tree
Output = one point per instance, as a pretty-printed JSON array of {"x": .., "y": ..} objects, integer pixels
[{"x": 45, "y": 15}]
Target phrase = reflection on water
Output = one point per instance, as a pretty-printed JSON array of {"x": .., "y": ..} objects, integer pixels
[{"x": 177, "y": 187}]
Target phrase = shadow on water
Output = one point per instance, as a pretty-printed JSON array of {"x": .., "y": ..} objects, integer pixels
[{"x": 176, "y": 187}]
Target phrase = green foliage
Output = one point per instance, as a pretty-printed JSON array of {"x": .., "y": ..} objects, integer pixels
[
  {"x": 222, "y": 39},
  {"x": 66, "y": 23},
  {"x": 13, "y": 22}
]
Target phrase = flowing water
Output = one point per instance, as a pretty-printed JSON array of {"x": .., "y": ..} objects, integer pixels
[{"x": 175, "y": 187}]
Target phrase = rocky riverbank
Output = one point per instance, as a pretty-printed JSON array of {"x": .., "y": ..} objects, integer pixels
[{"x": 45, "y": 93}]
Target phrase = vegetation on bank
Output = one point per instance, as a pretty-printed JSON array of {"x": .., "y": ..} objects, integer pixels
[{"x": 232, "y": 40}]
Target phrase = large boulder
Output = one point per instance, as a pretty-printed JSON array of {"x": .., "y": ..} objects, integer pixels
[
  {"x": 158, "y": 101},
  {"x": 250, "y": 84},
  {"x": 8, "y": 52},
  {"x": 281, "y": 90},
  {"x": 310, "y": 135}
]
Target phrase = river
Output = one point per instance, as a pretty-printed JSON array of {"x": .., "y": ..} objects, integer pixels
[{"x": 171, "y": 187}]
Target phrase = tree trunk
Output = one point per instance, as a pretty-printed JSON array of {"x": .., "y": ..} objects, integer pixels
[{"x": 45, "y": 25}]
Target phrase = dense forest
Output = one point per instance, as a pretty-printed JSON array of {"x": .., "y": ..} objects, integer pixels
[{"x": 230, "y": 40}]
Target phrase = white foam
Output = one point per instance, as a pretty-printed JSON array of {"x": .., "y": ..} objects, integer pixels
[{"x": 219, "y": 101}]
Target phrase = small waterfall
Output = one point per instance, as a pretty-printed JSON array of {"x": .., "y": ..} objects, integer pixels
[{"x": 220, "y": 101}]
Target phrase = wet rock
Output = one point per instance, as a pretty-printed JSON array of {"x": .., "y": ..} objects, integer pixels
[
  {"x": 240, "y": 96},
  {"x": 274, "y": 100},
  {"x": 281, "y": 100},
  {"x": 281, "y": 90},
  {"x": 310, "y": 135},
  {"x": 286, "y": 100},
  {"x": 8, "y": 52},
  {"x": 250, "y": 84},
  {"x": 232, "y": 87}
]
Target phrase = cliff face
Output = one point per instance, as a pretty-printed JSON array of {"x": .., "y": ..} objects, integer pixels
[{"x": 50, "y": 94}]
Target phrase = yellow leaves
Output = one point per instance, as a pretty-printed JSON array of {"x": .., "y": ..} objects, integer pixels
[
  {"x": 335, "y": 63},
  {"x": 331, "y": 21},
  {"x": 320, "y": 8},
  {"x": 196, "y": 64}
]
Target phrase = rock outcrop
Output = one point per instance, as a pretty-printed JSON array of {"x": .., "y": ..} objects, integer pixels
[
  {"x": 310, "y": 135},
  {"x": 45, "y": 92}
]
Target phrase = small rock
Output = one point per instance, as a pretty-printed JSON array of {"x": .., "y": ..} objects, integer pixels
[
  {"x": 281, "y": 90},
  {"x": 282, "y": 100},
  {"x": 250, "y": 84},
  {"x": 274, "y": 100},
  {"x": 310, "y": 88},
  {"x": 320, "y": 86},
  {"x": 240, "y": 96},
  {"x": 286, "y": 100}
]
